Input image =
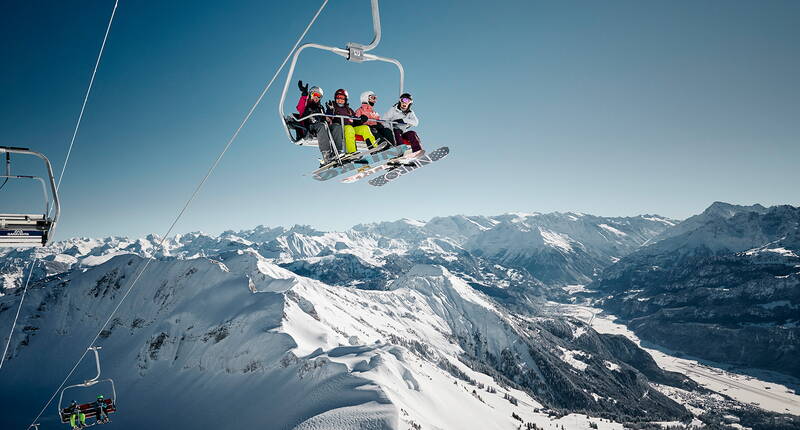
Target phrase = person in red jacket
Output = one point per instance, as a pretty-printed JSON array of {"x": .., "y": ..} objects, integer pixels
[{"x": 309, "y": 104}]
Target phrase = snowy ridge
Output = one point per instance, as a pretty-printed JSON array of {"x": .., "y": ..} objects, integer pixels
[
  {"x": 304, "y": 354},
  {"x": 232, "y": 319}
]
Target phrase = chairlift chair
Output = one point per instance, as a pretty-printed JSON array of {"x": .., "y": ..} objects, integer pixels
[
  {"x": 26, "y": 229},
  {"x": 355, "y": 52},
  {"x": 89, "y": 409}
]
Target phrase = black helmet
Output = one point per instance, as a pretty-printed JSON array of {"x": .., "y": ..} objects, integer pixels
[
  {"x": 407, "y": 98},
  {"x": 341, "y": 92}
]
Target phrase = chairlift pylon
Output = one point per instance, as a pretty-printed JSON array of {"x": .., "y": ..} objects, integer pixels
[
  {"x": 89, "y": 408},
  {"x": 354, "y": 52},
  {"x": 26, "y": 229}
]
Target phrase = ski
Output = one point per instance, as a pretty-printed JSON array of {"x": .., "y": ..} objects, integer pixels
[
  {"x": 408, "y": 166},
  {"x": 363, "y": 172},
  {"x": 374, "y": 156}
]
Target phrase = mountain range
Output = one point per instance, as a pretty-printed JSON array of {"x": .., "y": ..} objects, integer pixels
[{"x": 447, "y": 323}]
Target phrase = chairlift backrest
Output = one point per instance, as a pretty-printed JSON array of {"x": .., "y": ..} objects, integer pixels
[{"x": 29, "y": 229}]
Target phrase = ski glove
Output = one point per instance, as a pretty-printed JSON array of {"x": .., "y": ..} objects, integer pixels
[{"x": 303, "y": 88}]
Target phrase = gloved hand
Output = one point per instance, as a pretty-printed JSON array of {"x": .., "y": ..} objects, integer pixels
[
  {"x": 303, "y": 88},
  {"x": 329, "y": 105},
  {"x": 364, "y": 119},
  {"x": 400, "y": 121}
]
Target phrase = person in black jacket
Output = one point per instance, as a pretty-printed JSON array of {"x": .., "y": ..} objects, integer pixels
[{"x": 343, "y": 129}]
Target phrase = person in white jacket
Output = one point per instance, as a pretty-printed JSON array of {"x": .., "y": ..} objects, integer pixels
[{"x": 403, "y": 119}]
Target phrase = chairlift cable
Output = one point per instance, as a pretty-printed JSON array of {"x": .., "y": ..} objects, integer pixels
[
  {"x": 11, "y": 333},
  {"x": 183, "y": 210},
  {"x": 8, "y": 169},
  {"x": 86, "y": 97}
]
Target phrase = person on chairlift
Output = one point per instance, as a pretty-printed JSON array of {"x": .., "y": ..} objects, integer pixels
[
  {"x": 100, "y": 413},
  {"x": 311, "y": 103},
  {"x": 340, "y": 106},
  {"x": 77, "y": 419},
  {"x": 404, "y": 118},
  {"x": 367, "y": 108}
]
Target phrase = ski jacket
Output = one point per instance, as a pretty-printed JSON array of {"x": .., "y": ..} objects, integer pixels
[
  {"x": 366, "y": 109},
  {"x": 306, "y": 107},
  {"x": 344, "y": 111},
  {"x": 409, "y": 118}
]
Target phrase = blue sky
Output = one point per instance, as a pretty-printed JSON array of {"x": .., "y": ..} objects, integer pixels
[{"x": 610, "y": 108}]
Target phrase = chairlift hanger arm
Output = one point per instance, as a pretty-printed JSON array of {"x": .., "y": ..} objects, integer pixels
[
  {"x": 354, "y": 52},
  {"x": 376, "y": 26},
  {"x": 97, "y": 362},
  {"x": 90, "y": 382}
]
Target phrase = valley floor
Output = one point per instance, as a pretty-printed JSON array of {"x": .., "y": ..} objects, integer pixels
[{"x": 771, "y": 396}]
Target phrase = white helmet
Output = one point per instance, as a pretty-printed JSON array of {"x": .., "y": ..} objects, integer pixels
[{"x": 365, "y": 96}]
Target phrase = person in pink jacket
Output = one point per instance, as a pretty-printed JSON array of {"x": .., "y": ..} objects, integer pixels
[{"x": 368, "y": 99}]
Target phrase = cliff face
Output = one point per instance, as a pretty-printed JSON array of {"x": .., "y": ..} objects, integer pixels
[{"x": 725, "y": 288}]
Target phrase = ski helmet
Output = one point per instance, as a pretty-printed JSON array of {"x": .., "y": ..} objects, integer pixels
[
  {"x": 406, "y": 97},
  {"x": 316, "y": 89},
  {"x": 365, "y": 96},
  {"x": 99, "y": 397},
  {"x": 341, "y": 92}
]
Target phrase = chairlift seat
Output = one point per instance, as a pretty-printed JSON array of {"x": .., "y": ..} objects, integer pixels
[
  {"x": 89, "y": 409},
  {"x": 302, "y": 136},
  {"x": 22, "y": 230}
]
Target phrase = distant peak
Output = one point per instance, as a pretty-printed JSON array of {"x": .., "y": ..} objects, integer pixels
[{"x": 727, "y": 210}]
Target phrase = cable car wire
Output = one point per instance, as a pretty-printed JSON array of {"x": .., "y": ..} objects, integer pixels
[
  {"x": 183, "y": 210},
  {"x": 11, "y": 333},
  {"x": 86, "y": 97}
]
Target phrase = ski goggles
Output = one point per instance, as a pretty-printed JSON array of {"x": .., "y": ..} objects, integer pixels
[
  {"x": 406, "y": 100},
  {"x": 316, "y": 94}
]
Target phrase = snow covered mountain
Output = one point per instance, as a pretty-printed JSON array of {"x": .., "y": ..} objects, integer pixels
[
  {"x": 506, "y": 255},
  {"x": 207, "y": 334},
  {"x": 401, "y": 325},
  {"x": 723, "y": 285},
  {"x": 390, "y": 325}
]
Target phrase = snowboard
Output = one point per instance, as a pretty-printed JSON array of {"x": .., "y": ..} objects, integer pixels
[
  {"x": 398, "y": 169},
  {"x": 368, "y": 170},
  {"x": 350, "y": 163}
]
